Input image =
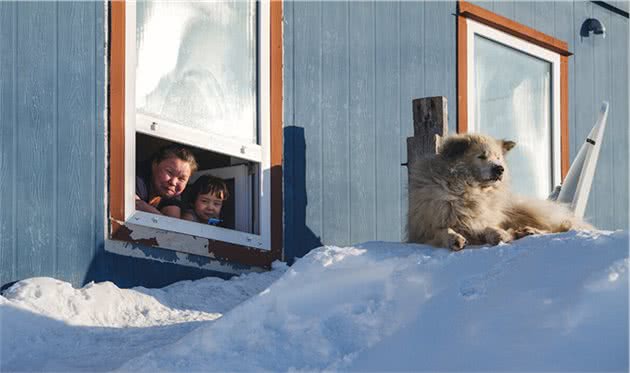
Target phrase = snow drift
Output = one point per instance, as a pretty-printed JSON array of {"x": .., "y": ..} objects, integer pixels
[{"x": 556, "y": 302}]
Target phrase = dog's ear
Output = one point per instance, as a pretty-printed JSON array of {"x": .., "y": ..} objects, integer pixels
[
  {"x": 507, "y": 145},
  {"x": 454, "y": 147}
]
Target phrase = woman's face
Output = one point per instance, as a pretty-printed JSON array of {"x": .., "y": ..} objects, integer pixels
[{"x": 170, "y": 177}]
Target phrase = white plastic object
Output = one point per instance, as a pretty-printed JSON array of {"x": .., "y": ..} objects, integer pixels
[{"x": 577, "y": 184}]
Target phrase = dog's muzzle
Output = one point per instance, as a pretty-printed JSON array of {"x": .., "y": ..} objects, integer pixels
[{"x": 497, "y": 172}]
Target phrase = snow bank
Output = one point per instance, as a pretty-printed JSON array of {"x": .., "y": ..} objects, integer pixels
[
  {"x": 48, "y": 325},
  {"x": 542, "y": 303},
  {"x": 557, "y": 302}
]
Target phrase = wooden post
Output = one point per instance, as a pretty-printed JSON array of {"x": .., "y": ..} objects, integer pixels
[{"x": 430, "y": 124}]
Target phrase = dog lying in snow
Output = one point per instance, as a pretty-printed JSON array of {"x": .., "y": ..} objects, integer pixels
[{"x": 461, "y": 196}]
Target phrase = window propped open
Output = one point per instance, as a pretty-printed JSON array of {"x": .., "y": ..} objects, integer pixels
[
  {"x": 239, "y": 209},
  {"x": 206, "y": 85}
]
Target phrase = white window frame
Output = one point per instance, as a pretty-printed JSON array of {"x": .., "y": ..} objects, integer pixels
[
  {"x": 168, "y": 130},
  {"x": 475, "y": 28}
]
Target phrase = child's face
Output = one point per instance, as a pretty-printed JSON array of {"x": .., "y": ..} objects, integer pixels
[{"x": 208, "y": 206}]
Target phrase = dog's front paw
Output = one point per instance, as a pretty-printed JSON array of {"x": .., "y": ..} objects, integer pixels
[
  {"x": 456, "y": 241},
  {"x": 526, "y": 231},
  {"x": 493, "y": 236}
]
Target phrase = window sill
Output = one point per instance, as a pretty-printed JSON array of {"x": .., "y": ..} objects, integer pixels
[
  {"x": 139, "y": 251},
  {"x": 186, "y": 244}
]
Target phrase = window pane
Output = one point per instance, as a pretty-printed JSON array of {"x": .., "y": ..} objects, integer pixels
[
  {"x": 196, "y": 64},
  {"x": 513, "y": 101}
]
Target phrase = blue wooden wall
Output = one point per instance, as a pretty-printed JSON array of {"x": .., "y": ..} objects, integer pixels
[
  {"x": 52, "y": 150},
  {"x": 52, "y": 138},
  {"x": 351, "y": 70}
]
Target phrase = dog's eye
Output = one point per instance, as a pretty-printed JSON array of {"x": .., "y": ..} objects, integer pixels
[{"x": 483, "y": 157}]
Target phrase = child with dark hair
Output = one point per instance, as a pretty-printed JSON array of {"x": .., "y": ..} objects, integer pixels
[{"x": 206, "y": 198}]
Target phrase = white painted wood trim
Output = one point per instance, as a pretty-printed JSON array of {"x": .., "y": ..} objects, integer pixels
[
  {"x": 128, "y": 249},
  {"x": 556, "y": 129},
  {"x": 165, "y": 129},
  {"x": 473, "y": 28},
  {"x": 167, "y": 223},
  {"x": 130, "y": 104},
  {"x": 264, "y": 119}
]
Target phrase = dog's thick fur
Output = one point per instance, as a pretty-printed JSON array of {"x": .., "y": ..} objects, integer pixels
[{"x": 461, "y": 196}]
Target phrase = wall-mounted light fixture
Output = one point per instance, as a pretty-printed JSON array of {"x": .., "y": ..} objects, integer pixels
[{"x": 593, "y": 25}]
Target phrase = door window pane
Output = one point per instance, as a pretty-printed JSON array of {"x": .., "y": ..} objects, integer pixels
[
  {"x": 513, "y": 101},
  {"x": 196, "y": 65}
]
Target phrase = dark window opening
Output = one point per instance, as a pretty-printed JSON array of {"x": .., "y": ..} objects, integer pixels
[{"x": 240, "y": 209}]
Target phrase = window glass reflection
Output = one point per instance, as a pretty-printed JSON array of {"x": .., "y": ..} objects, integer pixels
[
  {"x": 513, "y": 101},
  {"x": 196, "y": 65}
]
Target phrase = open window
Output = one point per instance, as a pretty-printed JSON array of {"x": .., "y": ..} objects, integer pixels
[
  {"x": 206, "y": 75},
  {"x": 512, "y": 83}
]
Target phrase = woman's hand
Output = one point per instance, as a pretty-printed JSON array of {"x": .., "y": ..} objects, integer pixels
[
  {"x": 188, "y": 216},
  {"x": 172, "y": 211},
  {"x": 143, "y": 206}
]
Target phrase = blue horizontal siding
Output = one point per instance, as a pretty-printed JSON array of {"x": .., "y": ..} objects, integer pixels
[
  {"x": 36, "y": 131},
  {"x": 385, "y": 55},
  {"x": 8, "y": 141},
  {"x": 351, "y": 70},
  {"x": 52, "y": 150}
]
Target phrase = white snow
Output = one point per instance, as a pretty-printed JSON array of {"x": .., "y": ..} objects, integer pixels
[{"x": 556, "y": 302}]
